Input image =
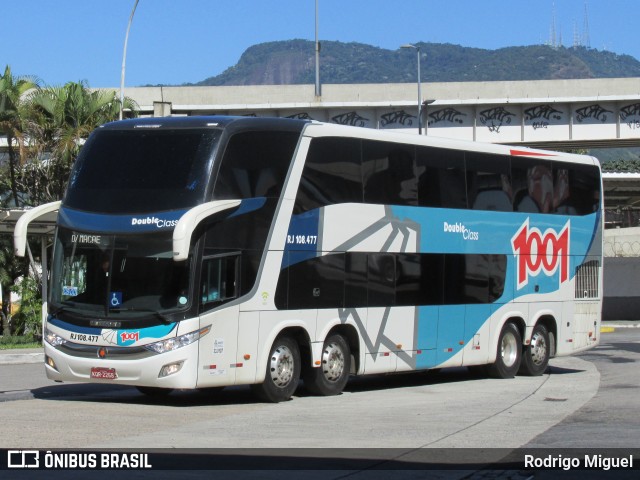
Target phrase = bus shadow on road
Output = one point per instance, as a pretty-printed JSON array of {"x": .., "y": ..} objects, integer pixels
[
  {"x": 553, "y": 370},
  {"x": 105, "y": 393},
  {"x": 411, "y": 379},
  {"x": 235, "y": 395}
]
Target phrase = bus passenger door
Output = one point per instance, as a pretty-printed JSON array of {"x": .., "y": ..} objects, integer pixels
[{"x": 218, "y": 350}]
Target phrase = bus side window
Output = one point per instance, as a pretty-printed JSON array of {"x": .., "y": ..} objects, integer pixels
[
  {"x": 255, "y": 164},
  {"x": 219, "y": 280},
  {"x": 577, "y": 189},
  {"x": 441, "y": 178},
  {"x": 332, "y": 174},
  {"x": 389, "y": 174},
  {"x": 489, "y": 182},
  {"x": 533, "y": 186}
]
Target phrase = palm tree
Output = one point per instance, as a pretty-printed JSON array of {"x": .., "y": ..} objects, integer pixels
[
  {"x": 61, "y": 119},
  {"x": 12, "y": 90},
  {"x": 56, "y": 121}
]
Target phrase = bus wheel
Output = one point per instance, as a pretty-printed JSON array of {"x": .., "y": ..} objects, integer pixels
[
  {"x": 509, "y": 353},
  {"x": 283, "y": 372},
  {"x": 155, "y": 391},
  {"x": 332, "y": 375},
  {"x": 535, "y": 357}
]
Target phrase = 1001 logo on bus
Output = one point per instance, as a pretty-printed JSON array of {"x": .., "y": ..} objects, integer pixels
[{"x": 541, "y": 252}]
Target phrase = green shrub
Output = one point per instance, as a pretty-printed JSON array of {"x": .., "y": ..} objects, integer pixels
[
  {"x": 28, "y": 320},
  {"x": 24, "y": 341}
]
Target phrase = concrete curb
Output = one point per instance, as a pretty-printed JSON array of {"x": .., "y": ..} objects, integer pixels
[{"x": 15, "y": 357}]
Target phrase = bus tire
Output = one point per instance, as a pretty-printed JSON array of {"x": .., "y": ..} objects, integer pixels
[
  {"x": 509, "y": 354},
  {"x": 283, "y": 371},
  {"x": 332, "y": 375},
  {"x": 155, "y": 391},
  {"x": 535, "y": 356}
]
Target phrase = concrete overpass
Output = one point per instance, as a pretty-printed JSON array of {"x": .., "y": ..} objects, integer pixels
[
  {"x": 547, "y": 113},
  {"x": 554, "y": 114}
]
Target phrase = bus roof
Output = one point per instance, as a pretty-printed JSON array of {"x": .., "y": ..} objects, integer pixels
[
  {"x": 217, "y": 121},
  {"x": 319, "y": 129}
]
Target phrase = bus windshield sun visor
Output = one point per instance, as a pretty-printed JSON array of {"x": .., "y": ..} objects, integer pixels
[{"x": 189, "y": 222}]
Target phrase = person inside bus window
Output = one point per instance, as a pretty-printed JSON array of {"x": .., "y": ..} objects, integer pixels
[
  {"x": 538, "y": 197},
  {"x": 496, "y": 194},
  {"x": 561, "y": 193},
  {"x": 97, "y": 281},
  {"x": 397, "y": 184}
]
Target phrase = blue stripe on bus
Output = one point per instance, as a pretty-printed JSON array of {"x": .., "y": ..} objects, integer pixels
[
  {"x": 440, "y": 340},
  {"x": 483, "y": 232},
  {"x": 143, "y": 223},
  {"x": 302, "y": 241},
  {"x": 158, "y": 331},
  {"x": 249, "y": 205},
  {"x": 56, "y": 322},
  {"x": 94, "y": 222},
  {"x": 473, "y": 232}
]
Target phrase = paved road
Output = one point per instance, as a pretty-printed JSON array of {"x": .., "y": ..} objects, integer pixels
[{"x": 578, "y": 401}]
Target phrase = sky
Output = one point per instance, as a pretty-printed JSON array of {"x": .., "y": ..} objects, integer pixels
[{"x": 173, "y": 42}]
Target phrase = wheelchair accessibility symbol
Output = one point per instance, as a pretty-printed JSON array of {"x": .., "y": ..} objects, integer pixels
[{"x": 116, "y": 299}]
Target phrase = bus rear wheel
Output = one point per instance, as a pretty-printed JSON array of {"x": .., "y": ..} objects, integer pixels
[
  {"x": 283, "y": 371},
  {"x": 509, "y": 354},
  {"x": 535, "y": 356},
  {"x": 332, "y": 375}
]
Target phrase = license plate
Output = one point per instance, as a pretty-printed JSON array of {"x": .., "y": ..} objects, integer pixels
[{"x": 103, "y": 373}]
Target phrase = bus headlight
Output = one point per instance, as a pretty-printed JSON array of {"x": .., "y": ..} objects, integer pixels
[
  {"x": 174, "y": 343},
  {"x": 53, "y": 339}
]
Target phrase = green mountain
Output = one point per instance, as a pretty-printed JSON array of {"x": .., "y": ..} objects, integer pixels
[{"x": 293, "y": 62}]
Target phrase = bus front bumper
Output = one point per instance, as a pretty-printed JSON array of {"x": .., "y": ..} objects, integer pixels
[{"x": 174, "y": 369}]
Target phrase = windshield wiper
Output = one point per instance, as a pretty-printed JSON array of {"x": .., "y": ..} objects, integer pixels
[
  {"x": 54, "y": 312},
  {"x": 63, "y": 308},
  {"x": 142, "y": 310}
]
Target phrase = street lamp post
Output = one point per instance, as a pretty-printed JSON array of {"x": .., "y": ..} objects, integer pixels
[
  {"x": 124, "y": 59},
  {"x": 408, "y": 45}
]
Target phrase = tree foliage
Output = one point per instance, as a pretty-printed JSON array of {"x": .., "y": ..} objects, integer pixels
[
  {"x": 49, "y": 126},
  {"x": 293, "y": 62},
  {"x": 12, "y": 118},
  {"x": 60, "y": 120},
  {"x": 622, "y": 166}
]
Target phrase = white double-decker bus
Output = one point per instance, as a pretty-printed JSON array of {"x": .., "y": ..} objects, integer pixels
[{"x": 214, "y": 251}]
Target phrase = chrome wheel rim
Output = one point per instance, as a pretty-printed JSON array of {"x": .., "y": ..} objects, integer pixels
[
  {"x": 282, "y": 366},
  {"x": 538, "y": 349},
  {"x": 509, "y": 349},
  {"x": 332, "y": 362}
]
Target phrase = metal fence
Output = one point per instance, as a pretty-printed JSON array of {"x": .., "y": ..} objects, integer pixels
[{"x": 621, "y": 218}]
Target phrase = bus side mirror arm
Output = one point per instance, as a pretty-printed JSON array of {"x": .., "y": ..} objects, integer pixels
[
  {"x": 190, "y": 220},
  {"x": 22, "y": 225}
]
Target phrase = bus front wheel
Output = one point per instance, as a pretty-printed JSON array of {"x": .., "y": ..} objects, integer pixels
[
  {"x": 332, "y": 375},
  {"x": 283, "y": 371},
  {"x": 509, "y": 354},
  {"x": 535, "y": 357}
]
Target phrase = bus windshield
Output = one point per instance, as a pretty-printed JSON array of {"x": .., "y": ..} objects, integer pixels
[
  {"x": 122, "y": 171},
  {"x": 124, "y": 276}
]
